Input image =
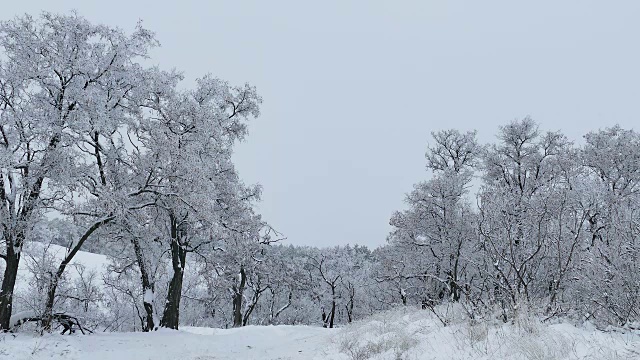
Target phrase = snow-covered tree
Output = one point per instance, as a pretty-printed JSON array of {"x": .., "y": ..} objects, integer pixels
[
  {"x": 438, "y": 226},
  {"x": 63, "y": 94},
  {"x": 610, "y": 281}
]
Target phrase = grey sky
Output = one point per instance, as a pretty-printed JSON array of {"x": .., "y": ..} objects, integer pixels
[{"x": 352, "y": 89}]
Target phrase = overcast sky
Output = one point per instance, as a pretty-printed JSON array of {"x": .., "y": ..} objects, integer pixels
[{"x": 352, "y": 89}]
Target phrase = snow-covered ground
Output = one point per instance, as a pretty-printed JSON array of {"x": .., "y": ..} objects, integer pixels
[
  {"x": 404, "y": 334},
  {"x": 251, "y": 342},
  {"x": 398, "y": 334},
  {"x": 417, "y": 334}
]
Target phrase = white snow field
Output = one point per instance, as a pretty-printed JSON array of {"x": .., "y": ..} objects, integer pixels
[
  {"x": 404, "y": 333},
  {"x": 251, "y": 342},
  {"x": 399, "y": 334}
]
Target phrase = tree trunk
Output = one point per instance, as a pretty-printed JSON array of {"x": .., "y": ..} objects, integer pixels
[
  {"x": 257, "y": 292},
  {"x": 237, "y": 299},
  {"x": 51, "y": 296},
  {"x": 8, "y": 284},
  {"x": 148, "y": 288},
  {"x": 333, "y": 307},
  {"x": 53, "y": 283},
  {"x": 273, "y": 316},
  {"x": 171, "y": 314},
  {"x": 453, "y": 285},
  {"x": 325, "y": 319},
  {"x": 349, "y": 306},
  {"x": 15, "y": 238}
]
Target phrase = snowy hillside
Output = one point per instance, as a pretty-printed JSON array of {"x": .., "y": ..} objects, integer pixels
[{"x": 34, "y": 250}]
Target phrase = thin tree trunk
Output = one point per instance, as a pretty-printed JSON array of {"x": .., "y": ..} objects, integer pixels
[
  {"x": 257, "y": 292},
  {"x": 349, "y": 306},
  {"x": 148, "y": 288},
  {"x": 453, "y": 284},
  {"x": 333, "y": 307},
  {"x": 171, "y": 314},
  {"x": 237, "y": 299},
  {"x": 275, "y": 316},
  {"x": 53, "y": 284},
  {"x": 325, "y": 319},
  {"x": 403, "y": 297},
  {"x": 8, "y": 284}
]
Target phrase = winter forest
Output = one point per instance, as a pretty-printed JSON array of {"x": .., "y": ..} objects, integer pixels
[{"x": 105, "y": 157}]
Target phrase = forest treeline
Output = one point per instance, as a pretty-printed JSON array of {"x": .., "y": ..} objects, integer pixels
[{"x": 102, "y": 153}]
